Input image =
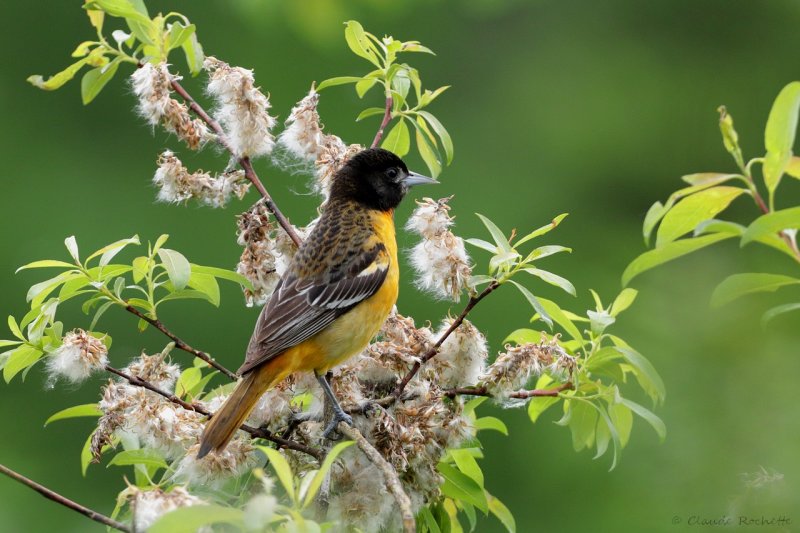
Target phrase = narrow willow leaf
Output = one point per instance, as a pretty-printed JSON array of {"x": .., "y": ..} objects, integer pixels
[
  {"x": 177, "y": 267},
  {"x": 772, "y": 223},
  {"x": 668, "y": 252},
  {"x": 45, "y": 263},
  {"x": 462, "y": 487},
  {"x": 223, "y": 274},
  {"x": 779, "y": 310},
  {"x": 194, "y": 54},
  {"x": 186, "y": 294},
  {"x": 107, "y": 253},
  {"x": 501, "y": 512},
  {"x": 282, "y": 470},
  {"x": 545, "y": 251},
  {"x": 468, "y": 465},
  {"x": 178, "y": 34},
  {"x": 427, "y": 153},
  {"x": 72, "y": 248},
  {"x": 497, "y": 234},
  {"x": 780, "y": 133},
  {"x": 359, "y": 43},
  {"x": 553, "y": 279},
  {"x": 491, "y": 422},
  {"x": 623, "y": 301},
  {"x": 524, "y": 336},
  {"x": 648, "y": 416},
  {"x": 483, "y": 245},
  {"x": 739, "y": 285},
  {"x": 582, "y": 424},
  {"x": 654, "y": 214},
  {"x": 57, "y": 80},
  {"x": 319, "y": 477},
  {"x": 693, "y": 210},
  {"x": 20, "y": 359},
  {"x": 444, "y": 136},
  {"x": 207, "y": 284},
  {"x": 561, "y": 318},
  {"x": 193, "y": 518},
  {"x": 398, "y": 140},
  {"x": 97, "y": 78},
  {"x": 187, "y": 380},
  {"x": 77, "y": 411},
  {"x": 544, "y": 229},
  {"x": 138, "y": 457},
  {"x": 646, "y": 373},
  {"x": 14, "y": 328},
  {"x": 340, "y": 80},
  {"x": 370, "y": 112},
  {"x": 537, "y": 306},
  {"x": 622, "y": 418},
  {"x": 793, "y": 167}
]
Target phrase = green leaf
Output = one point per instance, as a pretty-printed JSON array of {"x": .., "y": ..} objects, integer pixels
[
  {"x": 772, "y": 223},
  {"x": 693, "y": 210},
  {"x": 738, "y": 285},
  {"x": 623, "y": 421},
  {"x": 282, "y": 470},
  {"x": 499, "y": 510},
  {"x": 97, "y": 78},
  {"x": 480, "y": 243},
  {"x": 185, "y": 294},
  {"x": 4, "y": 343},
  {"x": 340, "y": 80},
  {"x": 646, "y": 373},
  {"x": 364, "y": 85},
  {"x": 369, "y": 112},
  {"x": 178, "y": 34},
  {"x": 444, "y": 136},
  {"x": 427, "y": 153},
  {"x": 138, "y": 457},
  {"x": 192, "y": 519},
  {"x": 779, "y": 134},
  {"x": 86, "y": 454},
  {"x": 194, "y": 54},
  {"x": 398, "y": 140},
  {"x": 491, "y": 422},
  {"x": 537, "y": 306},
  {"x": 37, "y": 293},
  {"x": 429, "y": 520},
  {"x": 524, "y": 336},
  {"x": 141, "y": 266},
  {"x": 206, "y": 284},
  {"x": 88, "y": 409},
  {"x": 459, "y": 486},
  {"x": 648, "y": 416},
  {"x": 668, "y": 252},
  {"x": 561, "y": 318},
  {"x": 467, "y": 464},
  {"x": 72, "y": 248},
  {"x": 496, "y": 233},
  {"x": 553, "y": 279},
  {"x": 544, "y": 229},
  {"x": 108, "y": 252},
  {"x": 187, "y": 380},
  {"x": 121, "y": 8},
  {"x": 538, "y": 405},
  {"x": 178, "y": 268},
  {"x": 545, "y": 251},
  {"x": 45, "y": 263},
  {"x": 359, "y": 43},
  {"x": 319, "y": 477},
  {"x": 582, "y": 424},
  {"x": 772, "y": 313},
  {"x": 654, "y": 214},
  {"x": 223, "y": 274},
  {"x": 20, "y": 359},
  {"x": 57, "y": 80},
  {"x": 14, "y": 328},
  {"x": 623, "y": 301}
]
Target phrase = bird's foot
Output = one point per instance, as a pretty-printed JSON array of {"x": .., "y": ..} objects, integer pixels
[{"x": 338, "y": 416}]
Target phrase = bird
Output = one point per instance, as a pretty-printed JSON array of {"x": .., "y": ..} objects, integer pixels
[{"x": 335, "y": 295}]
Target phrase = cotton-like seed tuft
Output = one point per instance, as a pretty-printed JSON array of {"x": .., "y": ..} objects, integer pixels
[
  {"x": 177, "y": 185},
  {"x": 79, "y": 355}
]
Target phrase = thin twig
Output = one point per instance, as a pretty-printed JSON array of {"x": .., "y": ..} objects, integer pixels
[
  {"x": 254, "y": 432},
  {"x": 473, "y": 301},
  {"x": 521, "y": 394},
  {"x": 63, "y": 500},
  {"x": 180, "y": 344},
  {"x": 244, "y": 162},
  {"x": 387, "y": 117},
  {"x": 390, "y": 476}
]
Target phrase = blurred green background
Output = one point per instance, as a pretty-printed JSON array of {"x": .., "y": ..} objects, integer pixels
[{"x": 591, "y": 108}]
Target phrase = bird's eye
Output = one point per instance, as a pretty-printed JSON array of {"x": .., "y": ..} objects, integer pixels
[{"x": 392, "y": 173}]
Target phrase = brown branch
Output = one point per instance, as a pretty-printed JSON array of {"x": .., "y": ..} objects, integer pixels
[
  {"x": 473, "y": 301},
  {"x": 390, "y": 476},
  {"x": 244, "y": 162},
  {"x": 521, "y": 394},
  {"x": 63, "y": 500},
  {"x": 387, "y": 117},
  {"x": 254, "y": 432},
  {"x": 180, "y": 344}
]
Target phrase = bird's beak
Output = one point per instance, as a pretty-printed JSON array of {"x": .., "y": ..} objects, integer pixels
[{"x": 417, "y": 179}]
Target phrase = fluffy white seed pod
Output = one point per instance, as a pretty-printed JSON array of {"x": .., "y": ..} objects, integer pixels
[
  {"x": 359, "y": 497},
  {"x": 333, "y": 154},
  {"x": 461, "y": 358},
  {"x": 257, "y": 263},
  {"x": 217, "y": 467},
  {"x": 79, "y": 355},
  {"x": 242, "y": 109},
  {"x": 149, "y": 505},
  {"x": 274, "y": 408},
  {"x": 512, "y": 369},
  {"x": 151, "y": 85},
  {"x": 177, "y": 185},
  {"x": 440, "y": 259},
  {"x": 156, "y": 370},
  {"x": 303, "y": 134}
]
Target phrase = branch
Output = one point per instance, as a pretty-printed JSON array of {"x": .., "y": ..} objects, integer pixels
[
  {"x": 387, "y": 117},
  {"x": 179, "y": 343},
  {"x": 254, "y": 432},
  {"x": 389, "y": 475},
  {"x": 431, "y": 353},
  {"x": 522, "y": 394},
  {"x": 244, "y": 162},
  {"x": 63, "y": 500}
]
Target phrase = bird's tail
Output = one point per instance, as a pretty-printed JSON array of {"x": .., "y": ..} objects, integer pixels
[{"x": 220, "y": 429}]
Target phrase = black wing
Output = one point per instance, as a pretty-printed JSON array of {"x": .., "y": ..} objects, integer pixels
[{"x": 299, "y": 309}]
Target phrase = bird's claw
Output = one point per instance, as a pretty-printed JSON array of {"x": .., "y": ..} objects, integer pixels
[{"x": 331, "y": 427}]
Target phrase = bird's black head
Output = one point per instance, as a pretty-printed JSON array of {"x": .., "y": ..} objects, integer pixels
[{"x": 376, "y": 178}]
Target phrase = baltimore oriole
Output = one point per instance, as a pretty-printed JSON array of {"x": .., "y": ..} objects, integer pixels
[{"x": 335, "y": 295}]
